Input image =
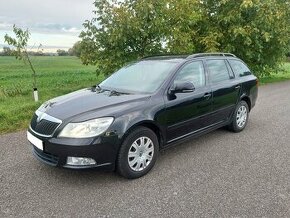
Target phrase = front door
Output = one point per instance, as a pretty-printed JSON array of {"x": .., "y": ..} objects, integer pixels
[{"x": 186, "y": 112}]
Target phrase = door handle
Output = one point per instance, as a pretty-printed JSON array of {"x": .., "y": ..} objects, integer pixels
[
  {"x": 237, "y": 87},
  {"x": 207, "y": 95}
]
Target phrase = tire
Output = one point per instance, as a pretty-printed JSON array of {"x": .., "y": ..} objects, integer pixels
[
  {"x": 143, "y": 145},
  {"x": 240, "y": 117}
]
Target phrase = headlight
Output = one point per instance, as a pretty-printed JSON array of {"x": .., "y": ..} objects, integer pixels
[{"x": 86, "y": 129}]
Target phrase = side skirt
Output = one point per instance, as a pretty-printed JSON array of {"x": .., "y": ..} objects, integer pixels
[{"x": 195, "y": 134}]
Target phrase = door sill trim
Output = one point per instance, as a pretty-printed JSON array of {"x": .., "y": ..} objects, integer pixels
[{"x": 193, "y": 132}]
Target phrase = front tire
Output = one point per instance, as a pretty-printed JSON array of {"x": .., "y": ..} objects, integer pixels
[
  {"x": 240, "y": 117},
  {"x": 138, "y": 153}
]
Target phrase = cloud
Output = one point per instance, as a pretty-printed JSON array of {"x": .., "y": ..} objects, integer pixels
[
  {"x": 71, "y": 30},
  {"x": 52, "y": 23},
  {"x": 5, "y": 25},
  {"x": 55, "y": 28}
]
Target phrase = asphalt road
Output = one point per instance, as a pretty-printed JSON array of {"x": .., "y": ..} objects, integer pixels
[{"x": 221, "y": 174}]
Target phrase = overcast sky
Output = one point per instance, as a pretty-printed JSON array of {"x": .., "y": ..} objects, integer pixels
[{"x": 52, "y": 23}]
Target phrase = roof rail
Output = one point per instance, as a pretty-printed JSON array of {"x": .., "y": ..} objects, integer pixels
[
  {"x": 158, "y": 56},
  {"x": 211, "y": 54}
]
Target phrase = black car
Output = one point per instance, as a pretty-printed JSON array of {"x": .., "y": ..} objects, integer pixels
[{"x": 144, "y": 107}]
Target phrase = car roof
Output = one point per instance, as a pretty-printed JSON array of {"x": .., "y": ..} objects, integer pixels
[{"x": 181, "y": 58}]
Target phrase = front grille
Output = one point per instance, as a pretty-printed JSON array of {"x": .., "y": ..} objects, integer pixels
[
  {"x": 44, "y": 127},
  {"x": 45, "y": 157},
  {"x": 33, "y": 123}
]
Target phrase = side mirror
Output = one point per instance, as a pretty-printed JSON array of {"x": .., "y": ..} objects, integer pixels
[{"x": 182, "y": 87}]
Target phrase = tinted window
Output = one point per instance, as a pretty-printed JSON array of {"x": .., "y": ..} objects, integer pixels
[
  {"x": 218, "y": 70},
  {"x": 239, "y": 68},
  {"x": 192, "y": 72}
]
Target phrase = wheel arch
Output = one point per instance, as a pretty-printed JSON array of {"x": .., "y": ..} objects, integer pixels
[
  {"x": 247, "y": 100},
  {"x": 150, "y": 125}
]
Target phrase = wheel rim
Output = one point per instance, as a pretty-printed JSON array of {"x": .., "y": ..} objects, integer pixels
[
  {"x": 242, "y": 115},
  {"x": 140, "y": 153}
]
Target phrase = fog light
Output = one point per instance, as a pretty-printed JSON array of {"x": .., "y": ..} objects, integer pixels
[{"x": 80, "y": 161}]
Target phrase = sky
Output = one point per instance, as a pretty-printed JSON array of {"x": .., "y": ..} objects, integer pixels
[{"x": 52, "y": 23}]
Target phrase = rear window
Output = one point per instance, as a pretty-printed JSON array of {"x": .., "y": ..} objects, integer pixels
[{"x": 239, "y": 68}]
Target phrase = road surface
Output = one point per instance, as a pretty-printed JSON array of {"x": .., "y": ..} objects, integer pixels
[{"x": 221, "y": 174}]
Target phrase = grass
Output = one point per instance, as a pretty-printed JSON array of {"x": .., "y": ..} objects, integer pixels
[
  {"x": 56, "y": 76},
  {"x": 284, "y": 75}
]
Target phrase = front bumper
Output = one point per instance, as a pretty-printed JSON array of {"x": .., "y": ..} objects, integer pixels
[{"x": 102, "y": 149}]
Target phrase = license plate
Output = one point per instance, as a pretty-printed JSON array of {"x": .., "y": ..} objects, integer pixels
[{"x": 35, "y": 141}]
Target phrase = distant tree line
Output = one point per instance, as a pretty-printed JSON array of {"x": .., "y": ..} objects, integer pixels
[
  {"x": 7, "y": 51},
  {"x": 74, "y": 51}
]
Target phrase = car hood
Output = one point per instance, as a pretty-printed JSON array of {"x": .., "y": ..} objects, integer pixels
[{"x": 86, "y": 101}]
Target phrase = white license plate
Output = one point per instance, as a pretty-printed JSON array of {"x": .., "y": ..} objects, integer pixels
[{"x": 35, "y": 141}]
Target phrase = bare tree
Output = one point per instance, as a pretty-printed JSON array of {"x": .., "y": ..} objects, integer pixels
[{"x": 21, "y": 53}]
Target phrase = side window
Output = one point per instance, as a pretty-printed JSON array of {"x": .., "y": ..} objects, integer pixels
[
  {"x": 239, "y": 68},
  {"x": 192, "y": 72},
  {"x": 218, "y": 70}
]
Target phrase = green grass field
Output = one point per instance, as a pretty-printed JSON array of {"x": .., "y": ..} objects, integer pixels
[
  {"x": 282, "y": 76},
  {"x": 56, "y": 76}
]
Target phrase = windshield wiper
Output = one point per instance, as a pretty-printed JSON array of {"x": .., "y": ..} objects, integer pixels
[
  {"x": 114, "y": 92},
  {"x": 97, "y": 88}
]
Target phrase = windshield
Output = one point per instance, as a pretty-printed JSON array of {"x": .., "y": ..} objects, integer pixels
[{"x": 144, "y": 76}]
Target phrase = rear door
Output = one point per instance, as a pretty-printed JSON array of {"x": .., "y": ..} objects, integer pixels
[
  {"x": 186, "y": 112},
  {"x": 248, "y": 81},
  {"x": 225, "y": 89}
]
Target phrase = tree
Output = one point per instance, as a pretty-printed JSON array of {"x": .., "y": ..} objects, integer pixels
[
  {"x": 76, "y": 49},
  {"x": 121, "y": 31},
  {"x": 61, "y": 52},
  {"x": 255, "y": 30},
  {"x": 21, "y": 53},
  {"x": 39, "y": 53},
  {"x": 7, "y": 51}
]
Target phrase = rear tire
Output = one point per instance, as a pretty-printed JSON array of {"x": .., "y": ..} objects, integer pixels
[
  {"x": 240, "y": 117},
  {"x": 138, "y": 153}
]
